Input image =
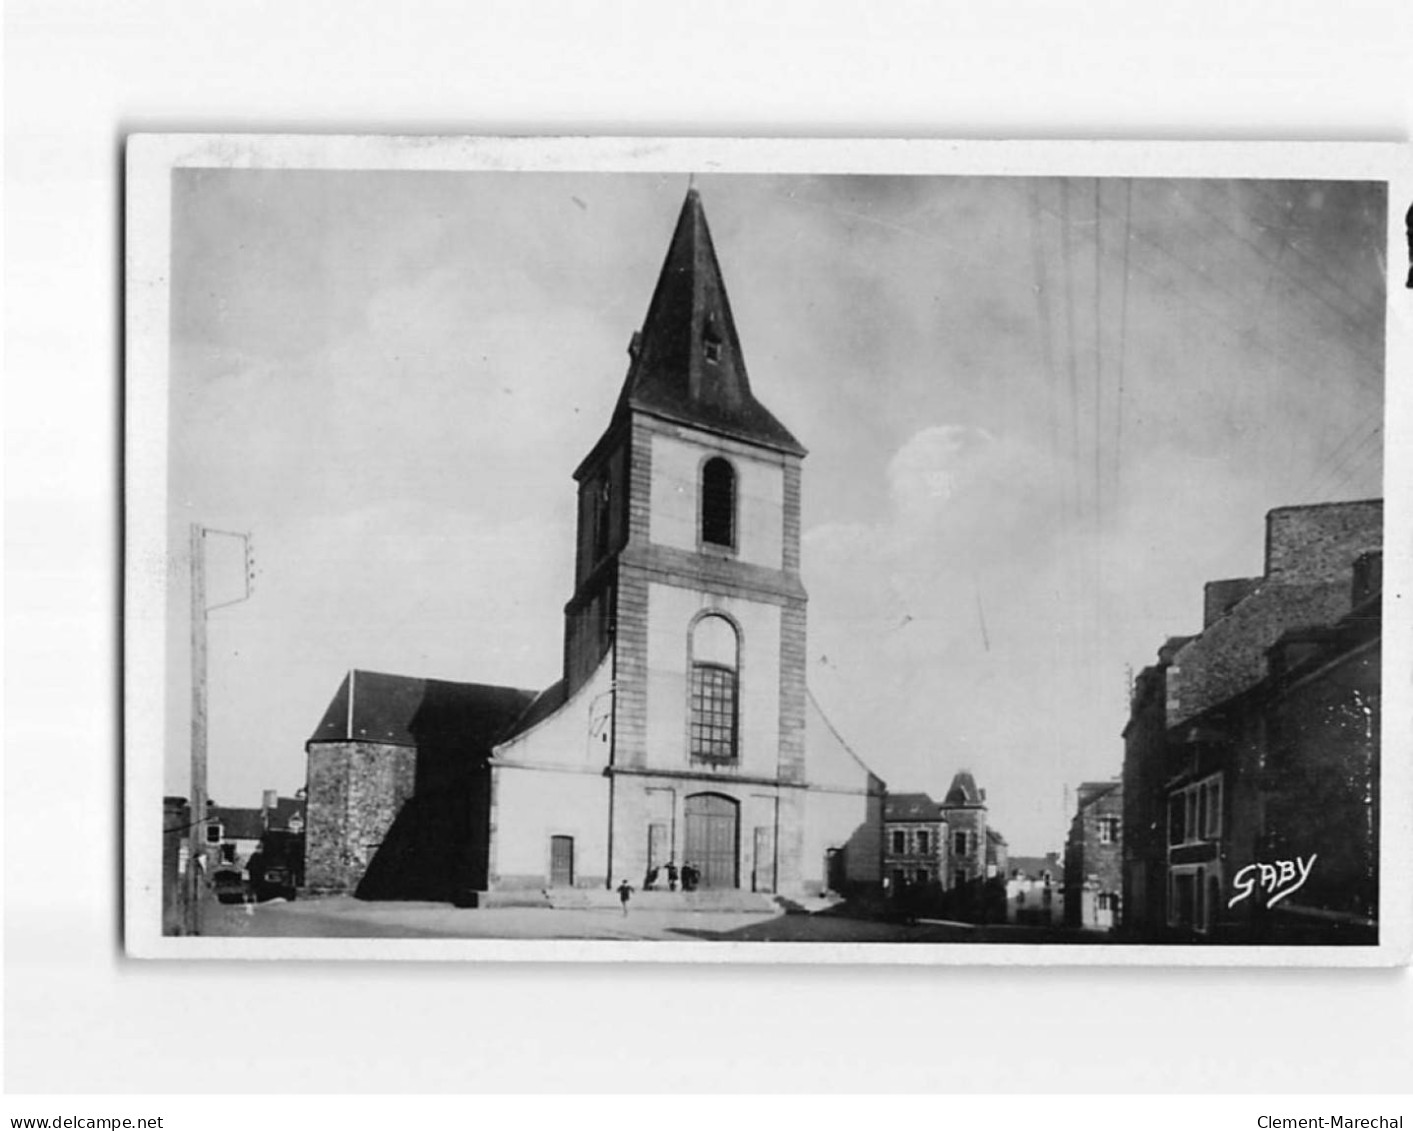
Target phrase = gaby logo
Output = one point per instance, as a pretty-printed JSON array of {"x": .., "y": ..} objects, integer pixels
[{"x": 1277, "y": 880}]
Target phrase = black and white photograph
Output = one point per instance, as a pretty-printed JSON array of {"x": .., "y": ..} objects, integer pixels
[{"x": 763, "y": 551}]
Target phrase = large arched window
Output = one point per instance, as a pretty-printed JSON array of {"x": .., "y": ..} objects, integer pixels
[
  {"x": 719, "y": 503},
  {"x": 715, "y": 706}
]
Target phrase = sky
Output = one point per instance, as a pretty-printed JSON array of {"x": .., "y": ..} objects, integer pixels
[{"x": 1040, "y": 414}]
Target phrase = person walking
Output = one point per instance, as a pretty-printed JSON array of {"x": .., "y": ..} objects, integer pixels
[
  {"x": 625, "y": 893},
  {"x": 671, "y": 875}
]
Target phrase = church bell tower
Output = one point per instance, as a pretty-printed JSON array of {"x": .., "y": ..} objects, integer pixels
[{"x": 687, "y": 571}]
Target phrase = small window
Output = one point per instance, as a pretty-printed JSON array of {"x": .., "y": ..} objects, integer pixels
[
  {"x": 1213, "y": 826},
  {"x": 213, "y": 834},
  {"x": 924, "y": 844},
  {"x": 959, "y": 843},
  {"x": 923, "y": 876},
  {"x": 1108, "y": 830},
  {"x": 900, "y": 842},
  {"x": 228, "y": 853},
  {"x": 719, "y": 503},
  {"x": 711, "y": 351},
  {"x": 1175, "y": 818}
]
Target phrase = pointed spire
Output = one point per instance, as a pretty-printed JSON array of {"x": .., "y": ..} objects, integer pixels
[
  {"x": 687, "y": 364},
  {"x": 963, "y": 793}
]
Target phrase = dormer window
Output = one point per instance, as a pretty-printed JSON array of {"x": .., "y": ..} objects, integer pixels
[
  {"x": 711, "y": 340},
  {"x": 719, "y": 503}
]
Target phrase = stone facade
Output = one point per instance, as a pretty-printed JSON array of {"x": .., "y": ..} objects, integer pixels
[
  {"x": 356, "y": 791},
  {"x": 915, "y": 843},
  {"x": 1265, "y": 748},
  {"x": 1094, "y": 858}
]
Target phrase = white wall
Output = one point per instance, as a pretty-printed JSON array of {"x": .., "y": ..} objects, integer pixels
[
  {"x": 549, "y": 782},
  {"x": 670, "y": 613},
  {"x": 760, "y": 501},
  {"x": 533, "y": 805},
  {"x": 577, "y": 734}
]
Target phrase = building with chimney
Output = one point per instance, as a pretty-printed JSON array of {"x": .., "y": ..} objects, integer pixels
[
  {"x": 1094, "y": 858},
  {"x": 681, "y": 730},
  {"x": 1251, "y": 769}
]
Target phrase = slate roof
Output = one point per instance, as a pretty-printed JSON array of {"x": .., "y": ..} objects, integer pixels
[
  {"x": 401, "y": 710},
  {"x": 687, "y": 362},
  {"x": 963, "y": 793},
  {"x": 1033, "y": 866},
  {"x": 910, "y": 807},
  {"x": 286, "y": 808},
  {"x": 238, "y": 824},
  {"x": 1091, "y": 791}
]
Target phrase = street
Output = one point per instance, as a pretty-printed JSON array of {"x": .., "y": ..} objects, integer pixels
[{"x": 344, "y": 917}]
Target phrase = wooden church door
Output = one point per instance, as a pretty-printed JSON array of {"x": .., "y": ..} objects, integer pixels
[{"x": 712, "y": 839}]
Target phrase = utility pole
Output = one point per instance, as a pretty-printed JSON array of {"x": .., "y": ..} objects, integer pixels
[
  {"x": 196, "y": 855},
  {"x": 195, "y": 860}
]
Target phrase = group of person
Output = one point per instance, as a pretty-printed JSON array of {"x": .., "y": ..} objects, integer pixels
[{"x": 688, "y": 875}]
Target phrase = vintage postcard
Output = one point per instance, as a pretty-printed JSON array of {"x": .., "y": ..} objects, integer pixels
[{"x": 767, "y": 551}]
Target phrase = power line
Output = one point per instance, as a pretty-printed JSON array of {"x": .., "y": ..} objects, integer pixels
[
  {"x": 1042, "y": 309},
  {"x": 1350, "y": 319},
  {"x": 1123, "y": 339},
  {"x": 1072, "y": 362},
  {"x": 1287, "y": 358},
  {"x": 1331, "y": 479},
  {"x": 1322, "y": 469},
  {"x": 1098, "y": 368},
  {"x": 1316, "y": 264}
]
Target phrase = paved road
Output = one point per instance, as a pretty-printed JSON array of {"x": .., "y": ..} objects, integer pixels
[{"x": 351, "y": 918}]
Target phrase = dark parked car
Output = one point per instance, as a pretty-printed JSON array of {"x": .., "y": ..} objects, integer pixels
[
  {"x": 276, "y": 867},
  {"x": 275, "y": 881},
  {"x": 229, "y": 885}
]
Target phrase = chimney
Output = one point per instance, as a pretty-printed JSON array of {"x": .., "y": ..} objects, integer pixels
[
  {"x": 1219, "y": 596},
  {"x": 269, "y": 799}
]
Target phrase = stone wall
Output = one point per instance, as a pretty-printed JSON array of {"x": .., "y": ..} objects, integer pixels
[
  {"x": 356, "y": 791},
  {"x": 1316, "y": 542}
]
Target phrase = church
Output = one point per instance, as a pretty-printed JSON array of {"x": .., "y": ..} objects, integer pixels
[{"x": 682, "y": 731}]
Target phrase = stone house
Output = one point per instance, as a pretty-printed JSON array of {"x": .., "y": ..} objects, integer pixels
[
  {"x": 1094, "y": 858},
  {"x": 964, "y": 810},
  {"x": 1263, "y": 731},
  {"x": 914, "y": 842},
  {"x": 682, "y": 729},
  {"x": 399, "y": 788}
]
